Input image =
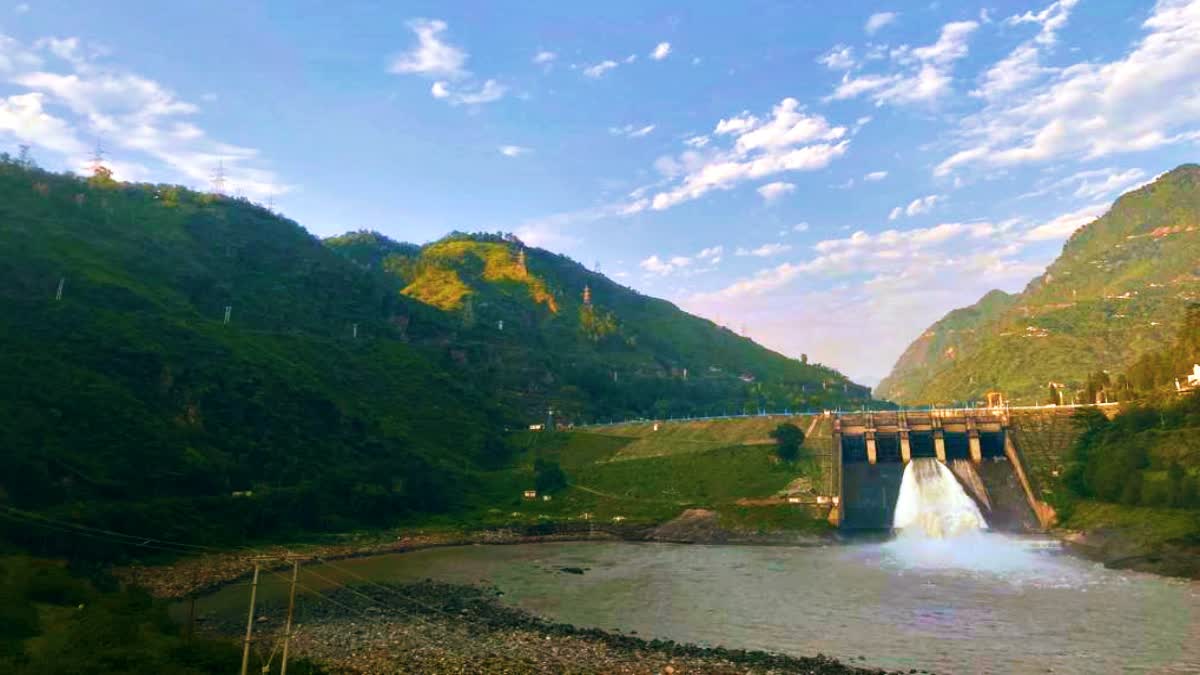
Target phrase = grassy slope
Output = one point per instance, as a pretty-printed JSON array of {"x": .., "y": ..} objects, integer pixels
[
  {"x": 696, "y": 436},
  {"x": 713, "y": 465},
  {"x": 1116, "y": 292}
]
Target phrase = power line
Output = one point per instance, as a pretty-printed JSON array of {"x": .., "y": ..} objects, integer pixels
[
  {"x": 116, "y": 536},
  {"x": 183, "y": 548}
]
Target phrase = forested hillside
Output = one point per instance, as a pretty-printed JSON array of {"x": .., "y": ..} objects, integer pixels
[
  {"x": 548, "y": 332},
  {"x": 200, "y": 368},
  {"x": 1117, "y": 291}
]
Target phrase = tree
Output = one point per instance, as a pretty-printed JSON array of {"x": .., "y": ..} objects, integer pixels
[
  {"x": 548, "y": 476},
  {"x": 788, "y": 439}
]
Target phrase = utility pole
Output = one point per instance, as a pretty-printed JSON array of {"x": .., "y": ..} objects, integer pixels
[
  {"x": 287, "y": 631},
  {"x": 191, "y": 627},
  {"x": 250, "y": 619}
]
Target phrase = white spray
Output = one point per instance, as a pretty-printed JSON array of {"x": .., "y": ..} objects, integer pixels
[{"x": 932, "y": 504}]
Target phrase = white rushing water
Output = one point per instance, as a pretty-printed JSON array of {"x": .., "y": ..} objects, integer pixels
[{"x": 932, "y": 504}]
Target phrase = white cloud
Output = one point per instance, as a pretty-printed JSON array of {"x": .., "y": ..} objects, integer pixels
[
  {"x": 761, "y": 282},
  {"x": 431, "y": 56},
  {"x": 800, "y": 227},
  {"x": 664, "y": 267},
  {"x": 736, "y": 125},
  {"x": 916, "y": 207},
  {"x": 876, "y": 176},
  {"x": 599, "y": 69},
  {"x": 684, "y": 266},
  {"x": 1023, "y": 64},
  {"x": 841, "y": 57},
  {"x": 878, "y": 21},
  {"x": 1146, "y": 99},
  {"x": 1093, "y": 184},
  {"x": 696, "y": 141},
  {"x": 544, "y": 57},
  {"x": 951, "y": 45},
  {"x": 487, "y": 92},
  {"x": 24, "y": 116},
  {"x": 772, "y": 191},
  {"x": 923, "y": 75},
  {"x": 21, "y": 8},
  {"x": 632, "y": 131},
  {"x": 436, "y": 59},
  {"x": 1063, "y": 226},
  {"x": 514, "y": 150},
  {"x": 790, "y": 140},
  {"x": 139, "y": 119},
  {"x": 764, "y": 251},
  {"x": 897, "y": 277},
  {"x": 661, "y": 51}
]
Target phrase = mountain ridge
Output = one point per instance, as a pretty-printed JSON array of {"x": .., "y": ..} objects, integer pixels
[{"x": 1115, "y": 292}]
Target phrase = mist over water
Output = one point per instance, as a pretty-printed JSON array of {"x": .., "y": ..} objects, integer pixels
[{"x": 939, "y": 527}]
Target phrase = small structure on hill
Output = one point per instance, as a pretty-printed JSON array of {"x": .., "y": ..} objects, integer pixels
[{"x": 530, "y": 494}]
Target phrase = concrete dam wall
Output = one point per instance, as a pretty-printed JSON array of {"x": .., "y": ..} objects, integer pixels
[{"x": 872, "y": 450}]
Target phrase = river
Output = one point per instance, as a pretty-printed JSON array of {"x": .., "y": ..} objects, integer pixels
[{"x": 987, "y": 603}]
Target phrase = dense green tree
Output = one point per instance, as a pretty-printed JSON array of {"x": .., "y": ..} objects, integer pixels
[
  {"x": 549, "y": 477},
  {"x": 788, "y": 439}
]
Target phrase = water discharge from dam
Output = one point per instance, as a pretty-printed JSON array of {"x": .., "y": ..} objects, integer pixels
[
  {"x": 933, "y": 504},
  {"x": 939, "y": 526}
]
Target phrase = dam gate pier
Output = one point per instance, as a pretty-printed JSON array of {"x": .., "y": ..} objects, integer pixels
[{"x": 871, "y": 450}]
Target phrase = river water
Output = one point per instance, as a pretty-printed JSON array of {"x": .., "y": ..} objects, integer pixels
[{"x": 984, "y": 603}]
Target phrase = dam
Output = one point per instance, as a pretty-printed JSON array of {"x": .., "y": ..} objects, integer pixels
[{"x": 871, "y": 450}]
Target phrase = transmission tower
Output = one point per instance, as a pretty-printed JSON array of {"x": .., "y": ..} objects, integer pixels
[
  {"x": 97, "y": 158},
  {"x": 218, "y": 178}
]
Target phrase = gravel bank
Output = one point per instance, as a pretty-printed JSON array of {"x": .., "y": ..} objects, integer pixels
[{"x": 433, "y": 627}]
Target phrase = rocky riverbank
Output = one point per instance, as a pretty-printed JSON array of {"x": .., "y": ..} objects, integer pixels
[
  {"x": 201, "y": 574},
  {"x": 1118, "y": 549},
  {"x": 432, "y": 627}
]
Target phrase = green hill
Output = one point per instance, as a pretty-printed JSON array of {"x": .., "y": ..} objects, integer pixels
[
  {"x": 521, "y": 317},
  {"x": 1117, "y": 291},
  {"x": 198, "y": 368},
  {"x": 130, "y": 404}
]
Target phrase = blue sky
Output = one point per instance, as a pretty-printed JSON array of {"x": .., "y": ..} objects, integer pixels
[{"x": 830, "y": 181}]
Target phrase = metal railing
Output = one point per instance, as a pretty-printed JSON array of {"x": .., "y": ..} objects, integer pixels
[{"x": 934, "y": 411}]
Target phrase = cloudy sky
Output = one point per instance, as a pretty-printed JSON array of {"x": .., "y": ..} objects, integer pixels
[{"x": 830, "y": 183}]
